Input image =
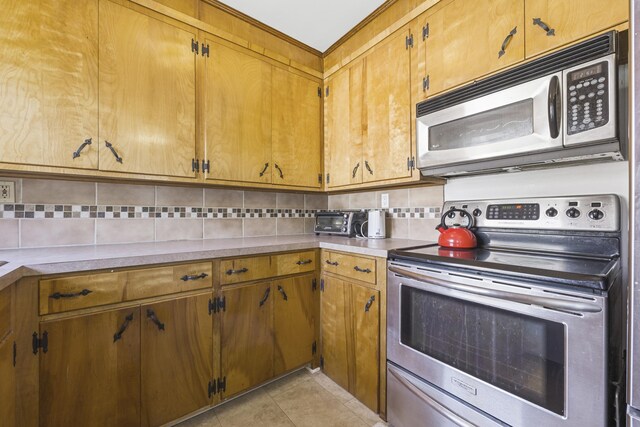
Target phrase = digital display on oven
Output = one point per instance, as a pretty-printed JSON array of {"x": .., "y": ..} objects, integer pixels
[
  {"x": 514, "y": 211},
  {"x": 587, "y": 72}
]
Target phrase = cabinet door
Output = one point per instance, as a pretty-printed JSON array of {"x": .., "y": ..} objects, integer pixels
[
  {"x": 343, "y": 126},
  {"x": 570, "y": 20},
  {"x": 90, "y": 374},
  {"x": 293, "y": 322},
  {"x": 147, "y": 94},
  {"x": 335, "y": 329},
  {"x": 237, "y": 115},
  {"x": 48, "y": 82},
  {"x": 388, "y": 144},
  {"x": 295, "y": 130},
  {"x": 247, "y": 336},
  {"x": 464, "y": 44},
  {"x": 176, "y": 357},
  {"x": 7, "y": 367},
  {"x": 365, "y": 307}
]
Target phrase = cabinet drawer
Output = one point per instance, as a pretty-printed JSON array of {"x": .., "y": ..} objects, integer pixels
[
  {"x": 350, "y": 266},
  {"x": 299, "y": 262},
  {"x": 245, "y": 269},
  {"x": 72, "y": 293}
]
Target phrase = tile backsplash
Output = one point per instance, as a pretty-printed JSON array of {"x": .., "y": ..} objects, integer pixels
[{"x": 59, "y": 213}]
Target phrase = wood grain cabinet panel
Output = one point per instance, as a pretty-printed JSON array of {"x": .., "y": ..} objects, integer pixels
[
  {"x": 350, "y": 266},
  {"x": 295, "y": 129},
  {"x": 237, "y": 114},
  {"x": 335, "y": 330},
  {"x": 176, "y": 358},
  {"x": 365, "y": 307},
  {"x": 295, "y": 263},
  {"x": 147, "y": 87},
  {"x": 245, "y": 269},
  {"x": 90, "y": 374},
  {"x": 247, "y": 336},
  {"x": 49, "y": 82},
  {"x": 7, "y": 365},
  {"x": 570, "y": 20},
  {"x": 293, "y": 322}
]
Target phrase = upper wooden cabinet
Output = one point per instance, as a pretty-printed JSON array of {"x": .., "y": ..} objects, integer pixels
[
  {"x": 147, "y": 86},
  {"x": 49, "y": 84},
  {"x": 368, "y": 117},
  {"x": 553, "y": 23},
  {"x": 459, "y": 41},
  {"x": 236, "y": 114},
  {"x": 295, "y": 127}
]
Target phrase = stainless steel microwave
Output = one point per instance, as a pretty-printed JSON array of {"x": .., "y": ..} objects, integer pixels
[{"x": 567, "y": 107}]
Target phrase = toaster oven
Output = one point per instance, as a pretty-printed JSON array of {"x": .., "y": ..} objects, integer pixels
[{"x": 344, "y": 223}]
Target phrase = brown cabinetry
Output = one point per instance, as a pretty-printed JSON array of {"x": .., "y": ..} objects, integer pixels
[{"x": 8, "y": 356}]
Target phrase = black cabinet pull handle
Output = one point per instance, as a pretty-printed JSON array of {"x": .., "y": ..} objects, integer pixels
[
  {"x": 81, "y": 147},
  {"x": 152, "y": 316},
  {"x": 123, "y": 328},
  {"x": 366, "y": 165},
  {"x": 279, "y": 170},
  {"x": 242, "y": 270},
  {"x": 335, "y": 263},
  {"x": 361, "y": 270},
  {"x": 545, "y": 27},
  {"x": 303, "y": 262},
  {"x": 353, "y": 173},
  {"x": 266, "y": 166},
  {"x": 82, "y": 293},
  {"x": 506, "y": 41},
  {"x": 369, "y": 303},
  {"x": 265, "y": 297},
  {"x": 113, "y": 151},
  {"x": 186, "y": 277},
  {"x": 284, "y": 294}
]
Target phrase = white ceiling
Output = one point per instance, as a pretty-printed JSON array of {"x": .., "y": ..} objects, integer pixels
[{"x": 318, "y": 24}]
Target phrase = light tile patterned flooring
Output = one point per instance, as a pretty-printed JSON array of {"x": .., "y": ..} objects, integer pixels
[{"x": 300, "y": 399}]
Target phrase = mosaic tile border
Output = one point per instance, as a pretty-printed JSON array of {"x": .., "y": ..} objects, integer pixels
[{"x": 47, "y": 211}]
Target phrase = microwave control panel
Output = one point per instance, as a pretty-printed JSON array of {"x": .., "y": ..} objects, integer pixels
[{"x": 587, "y": 98}]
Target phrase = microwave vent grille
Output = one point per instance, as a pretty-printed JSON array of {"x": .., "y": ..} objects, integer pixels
[{"x": 583, "y": 52}]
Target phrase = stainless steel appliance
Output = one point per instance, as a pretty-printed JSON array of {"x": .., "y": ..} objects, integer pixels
[
  {"x": 568, "y": 107},
  {"x": 524, "y": 330},
  {"x": 633, "y": 367},
  {"x": 344, "y": 223}
]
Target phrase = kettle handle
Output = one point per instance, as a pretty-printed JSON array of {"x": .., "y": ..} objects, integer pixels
[{"x": 442, "y": 226}]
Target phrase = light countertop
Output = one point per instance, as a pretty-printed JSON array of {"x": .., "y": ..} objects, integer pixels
[{"x": 73, "y": 259}]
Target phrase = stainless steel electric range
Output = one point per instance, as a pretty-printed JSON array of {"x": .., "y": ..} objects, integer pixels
[{"x": 524, "y": 330}]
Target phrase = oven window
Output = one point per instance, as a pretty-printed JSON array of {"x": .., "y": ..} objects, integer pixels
[
  {"x": 330, "y": 222},
  {"x": 520, "y": 354},
  {"x": 496, "y": 125}
]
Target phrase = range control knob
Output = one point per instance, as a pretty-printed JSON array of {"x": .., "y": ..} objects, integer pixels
[
  {"x": 477, "y": 212},
  {"x": 596, "y": 214},
  {"x": 573, "y": 213},
  {"x": 551, "y": 212},
  {"x": 344, "y": 229},
  {"x": 451, "y": 215}
]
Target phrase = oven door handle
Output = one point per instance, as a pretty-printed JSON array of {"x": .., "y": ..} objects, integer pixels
[
  {"x": 438, "y": 407},
  {"x": 553, "y": 303}
]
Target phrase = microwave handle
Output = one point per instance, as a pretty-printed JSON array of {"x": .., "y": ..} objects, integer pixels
[{"x": 554, "y": 106}]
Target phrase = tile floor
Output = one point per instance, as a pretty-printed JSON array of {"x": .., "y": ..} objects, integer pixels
[{"x": 300, "y": 399}]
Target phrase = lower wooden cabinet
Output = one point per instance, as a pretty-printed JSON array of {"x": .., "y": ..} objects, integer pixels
[
  {"x": 7, "y": 356},
  {"x": 145, "y": 365},
  {"x": 350, "y": 325}
]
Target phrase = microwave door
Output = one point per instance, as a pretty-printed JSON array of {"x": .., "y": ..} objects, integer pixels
[{"x": 521, "y": 119}]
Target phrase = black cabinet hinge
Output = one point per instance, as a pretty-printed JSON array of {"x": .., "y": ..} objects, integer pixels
[
  {"x": 314, "y": 284},
  {"x": 217, "y": 305},
  {"x": 314, "y": 348},
  {"x": 411, "y": 163},
  {"x": 321, "y": 362},
  {"x": 327, "y": 178},
  {"x": 326, "y": 92},
  {"x": 216, "y": 386},
  {"x": 212, "y": 389},
  {"x": 408, "y": 41},
  {"x": 425, "y": 84},
  {"x": 205, "y": 50},
  {"x": 206, "y": 166},
  {"x": 425, "y": 32},
  {"x": 194, "y": 46},
  {"x": 15, "y": 354},
  {"x": 222, "y": 384},
  {"x": 319, "y": 92},
  {"x": 322, "y": 285},
  {"x": 319, "y": 178},
  {"x": 195, "y": 165},
  {"x": 38, "y": 343}
]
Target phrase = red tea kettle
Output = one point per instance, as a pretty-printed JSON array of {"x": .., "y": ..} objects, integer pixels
[{"x": 457, "y": 236}]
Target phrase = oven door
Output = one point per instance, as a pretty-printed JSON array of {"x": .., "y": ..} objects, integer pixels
[
  {"x": 522, "y": 119},
  {"x": 522, "y": 354}
]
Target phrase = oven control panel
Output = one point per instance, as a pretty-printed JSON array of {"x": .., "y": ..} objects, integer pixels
[
  {"x": 588, "y": 98},
  {"x": 595, "y": 213}
]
